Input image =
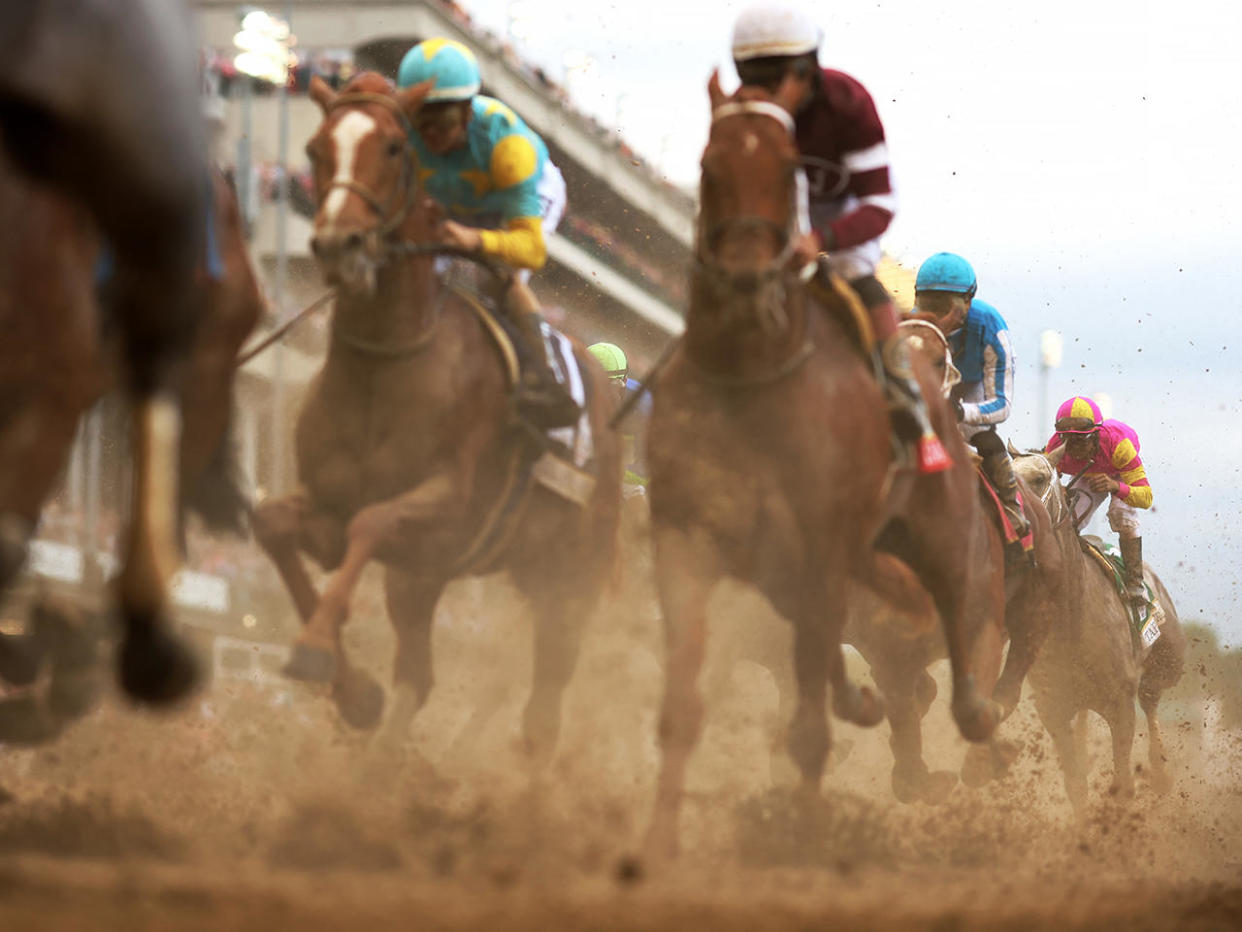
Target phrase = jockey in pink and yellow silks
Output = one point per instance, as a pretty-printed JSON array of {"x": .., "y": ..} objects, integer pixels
[{"x": 1107, "y": 455}]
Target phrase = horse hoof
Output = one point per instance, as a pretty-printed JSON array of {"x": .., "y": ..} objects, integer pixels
[
  {"x": 977, "y": 766},
  {"x": 359, "y": 699},
  {"x": 977, "y": 721},
  {"x": 311, "y": 664},
  {"x": 861, "y": 706},
  {"x": 156, "y": 668}
]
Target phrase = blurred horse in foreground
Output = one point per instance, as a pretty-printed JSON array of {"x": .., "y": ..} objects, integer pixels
[
  {"x": 102, "y": 144},
  {"x": 99, "y": 104}
]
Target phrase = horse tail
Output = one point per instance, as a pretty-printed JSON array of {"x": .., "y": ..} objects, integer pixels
[{"x": 220, "y": 495}]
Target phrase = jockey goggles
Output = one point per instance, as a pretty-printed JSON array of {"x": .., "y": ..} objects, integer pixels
[{"x": 1074, "y": 426}]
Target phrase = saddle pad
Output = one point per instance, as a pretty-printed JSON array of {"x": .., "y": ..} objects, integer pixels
[
  {"x": 1145, "y": 620},
  {"x": 1007, "y": 528}
]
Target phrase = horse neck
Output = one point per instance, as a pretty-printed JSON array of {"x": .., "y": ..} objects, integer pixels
[
  {"x": 739, "y": 338},
  {"x": 400, "y": 310}
]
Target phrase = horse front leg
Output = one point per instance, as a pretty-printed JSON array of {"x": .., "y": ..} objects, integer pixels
[
  {"x": 687, "y": 570},
  {"x": 396, "y": 522}
]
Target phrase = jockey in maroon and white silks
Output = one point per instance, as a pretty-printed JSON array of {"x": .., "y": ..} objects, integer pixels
[
  {"x": 841, "y": 141},
  {"x": 850, "y": 198}
]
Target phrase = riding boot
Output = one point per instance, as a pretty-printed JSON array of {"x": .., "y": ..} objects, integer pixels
[
  {"x": 999, "y": 469},
  {"x": 1132, "y": 560},
  {"x": 907, "y": 408},
  {"x": 541, "y": 399}
]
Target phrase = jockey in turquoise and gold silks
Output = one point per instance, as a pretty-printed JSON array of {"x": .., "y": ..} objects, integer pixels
[{"x": 491, "y": 182}]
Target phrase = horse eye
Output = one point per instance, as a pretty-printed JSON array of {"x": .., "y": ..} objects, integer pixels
[{"x": 395, "y": 149}]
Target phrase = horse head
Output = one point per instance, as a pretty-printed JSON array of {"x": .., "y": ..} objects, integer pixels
[
  {"x": 751, "y": 194},
  {"x": 929, "y": 341},
  {"x": 366, "y": 177}
]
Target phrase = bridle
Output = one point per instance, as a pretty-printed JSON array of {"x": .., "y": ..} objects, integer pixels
[
  {"x": 390, "y": 216},
  {"x": 768, "y": 283},
  {"x": 776, "y": 269}
]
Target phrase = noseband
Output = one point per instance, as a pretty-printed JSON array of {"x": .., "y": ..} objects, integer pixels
[{"x": 767, "y": 284}]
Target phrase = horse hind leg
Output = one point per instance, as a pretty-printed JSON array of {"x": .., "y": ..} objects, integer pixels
[
  {"x": 1121, "y": 724},
  {"x": 558, "y": 635},
  {"x": 411, "y": 609},
  {"x": 1149, "y": 701}
]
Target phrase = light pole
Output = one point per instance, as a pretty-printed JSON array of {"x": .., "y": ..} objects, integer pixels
[
  {"x": 264, "y": 43},
  {"x": 1051, "y": 345}
]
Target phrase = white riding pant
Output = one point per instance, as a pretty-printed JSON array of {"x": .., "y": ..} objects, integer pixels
[{"x": 1122, "y": 518}]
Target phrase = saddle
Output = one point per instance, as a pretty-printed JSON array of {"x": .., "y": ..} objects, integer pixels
[
  {"x": 561, "y": 460},
  {"x": 1145, "y": 620}
]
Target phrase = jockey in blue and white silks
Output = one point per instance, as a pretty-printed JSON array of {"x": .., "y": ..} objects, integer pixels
[
  {"x": 983, "y": 355},
  {"x": 944, "y": 293}
]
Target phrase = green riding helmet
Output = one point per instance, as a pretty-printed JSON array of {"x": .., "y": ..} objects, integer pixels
[{"x": 612, "y": 358}]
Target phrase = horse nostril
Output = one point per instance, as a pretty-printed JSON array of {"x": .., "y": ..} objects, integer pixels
[{"x": 316, "y": 247}]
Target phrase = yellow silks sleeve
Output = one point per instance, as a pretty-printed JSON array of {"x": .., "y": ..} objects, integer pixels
[{"x": 521, "y": 245}]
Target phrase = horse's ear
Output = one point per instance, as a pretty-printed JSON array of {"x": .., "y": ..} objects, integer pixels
[
  {"x": 1056, "y": 456},
  {"x": 411, "y": 99},
  {"x": 714, "y": 90},
  {"x": 321, "y": 93}
]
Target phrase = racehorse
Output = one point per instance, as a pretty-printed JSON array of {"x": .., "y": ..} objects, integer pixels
[
  {"x": 60, "y": 355},
  {"x": 99, "y": 100},
  {"x": 406, "y": 443},
  {"x": 1092, "y": 659},
  {"x": 899, "y": 647},
  {"x": 770, "y": 458}
]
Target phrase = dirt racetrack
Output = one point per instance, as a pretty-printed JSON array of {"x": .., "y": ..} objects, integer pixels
[{"x": 252, "y": 808}]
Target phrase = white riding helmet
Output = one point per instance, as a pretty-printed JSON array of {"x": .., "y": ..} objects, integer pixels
[{"x": 765, "y": 30}]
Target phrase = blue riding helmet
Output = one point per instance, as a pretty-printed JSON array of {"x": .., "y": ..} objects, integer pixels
[
  {"x": 946, "y": 271},
  {"x": 451, "y": 64}
]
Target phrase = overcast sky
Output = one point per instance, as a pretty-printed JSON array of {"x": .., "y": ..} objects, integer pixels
[{"x": 1084, "y": 155}]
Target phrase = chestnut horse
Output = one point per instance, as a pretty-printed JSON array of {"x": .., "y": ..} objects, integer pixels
[
  {"x": 771, "y": 459},
  {"x": 60, "y": 355},
  {"x": 1091, "y": 660},
  {"x": 99, "y": 101},
  {"x": 404, "y": 441}
]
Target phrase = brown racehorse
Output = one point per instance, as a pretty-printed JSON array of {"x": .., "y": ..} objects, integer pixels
[
  {"x": 899, "y": 648},
  {"x": 60, "y": 354},
  {"x": 100, "y": 101},
  {"x": 770, "y": 452},
  {"x": 403, "y": 440},
  {"x": 1091, "y": 660}
]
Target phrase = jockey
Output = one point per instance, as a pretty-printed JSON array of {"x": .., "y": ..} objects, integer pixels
[
  {"x": 851, "y": 202},
  {"x": 944, "y": 292},
  {"x": 492, "y": 174},
  {"x": 1107, "y": 455},
  {"x": 616, "y": 366}
]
